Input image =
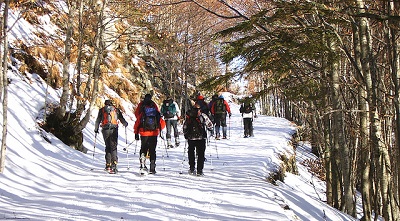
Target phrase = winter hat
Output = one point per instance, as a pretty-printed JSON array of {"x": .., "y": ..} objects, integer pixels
[
  {"x": 221, "y": 96},
  {"x": 108, "y": 102},
  {"x": 200, "y": 97},
  {"x": 147, "y": 97}
]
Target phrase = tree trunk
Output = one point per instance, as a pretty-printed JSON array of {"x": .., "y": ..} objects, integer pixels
[
  {"x": 371, "y": 78},
  {"x": 365, "y": 150},
  {"x": 4, "y": 87},
  {"x": 66, "y": 60}
]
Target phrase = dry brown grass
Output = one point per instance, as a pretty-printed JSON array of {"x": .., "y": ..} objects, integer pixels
[{"x": 315, "y": 167}]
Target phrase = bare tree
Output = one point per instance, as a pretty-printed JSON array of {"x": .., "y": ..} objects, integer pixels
[{"x": 4, "y": 83}]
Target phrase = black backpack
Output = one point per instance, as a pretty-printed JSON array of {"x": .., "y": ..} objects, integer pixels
[
  {"x": 150, "y": 119},
  {"x": 194, "y": 128},
  {"x": 247, "y": 108},
  {"x": 219, "y": 107}
]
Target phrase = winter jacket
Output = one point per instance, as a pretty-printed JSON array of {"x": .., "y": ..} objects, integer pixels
[
  {"x": 227, "y": 108},
  {"x": 137, "y": 129}
]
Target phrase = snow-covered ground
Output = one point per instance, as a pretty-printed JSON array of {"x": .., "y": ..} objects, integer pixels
[{"x": 50, "y": 181}]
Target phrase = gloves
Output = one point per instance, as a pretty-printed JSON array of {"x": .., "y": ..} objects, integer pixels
[
  {"x": 136, "y": 136},
  {"x": 126, "y": 124},
  {"x": 230, "y": 114},
  {"x": 96, "y": 131}
]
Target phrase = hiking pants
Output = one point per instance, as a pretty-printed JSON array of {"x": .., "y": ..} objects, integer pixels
[
  {"x": 248, "y": 126},
  {"x": 200, "y": 147},
  {"x": 149, "y": 143},
  {"x": 110, "y": 136},
  {"x": 174, "y": 124},
  {"x": 220, "y": 120}
]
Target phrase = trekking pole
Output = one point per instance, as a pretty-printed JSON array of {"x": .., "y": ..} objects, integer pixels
[
  {"x": 216, "y": 148},
  {"x": 126, "y": 137},
  {"x": 183, "y": 158},
  {"x": 229, "y": 128},
  {"x": 126, "y": 148},
  {"x": 129, "y": 145},
  {"x": 165, "y": 146},
  {"x": 135, "y": 148},
  {"x": 94, "y": 150},
  {"x": 127, "y": 158},
  {"x": 211, "y": 160},
  {"x": 163, "y": 161}
]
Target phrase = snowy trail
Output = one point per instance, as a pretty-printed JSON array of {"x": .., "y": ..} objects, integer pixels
[{"x": 50, "y": 181}]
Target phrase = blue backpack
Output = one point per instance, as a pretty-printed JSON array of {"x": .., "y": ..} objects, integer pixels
[{"x": 150, "y": 118}]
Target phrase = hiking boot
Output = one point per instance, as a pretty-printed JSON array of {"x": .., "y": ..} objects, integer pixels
[
  {"x": 152, "y": 167},
  {"x": 191, "y": 171},
  {"x": 200, "y": 173},
  {"x": 224, "y": 138},
  {"x": 143, "y": 168},
  {"x": 113, "y": 169},
  {"x": 108, "y": 167}
]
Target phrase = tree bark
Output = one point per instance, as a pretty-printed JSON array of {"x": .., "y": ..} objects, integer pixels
[
  {"x": 4, "y": 87},
  {"x": 66, "y": 60}
]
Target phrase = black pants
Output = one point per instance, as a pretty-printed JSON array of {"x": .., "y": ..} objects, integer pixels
[
  {"x": 111, "y": 140},
  {"x": 150, "y": 144},
  {"x": 200, "y": 147},
  {"x": 248, "y": 126}
]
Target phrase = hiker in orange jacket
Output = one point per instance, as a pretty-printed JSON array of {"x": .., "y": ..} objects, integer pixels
[{"x": 148, "y": 125}]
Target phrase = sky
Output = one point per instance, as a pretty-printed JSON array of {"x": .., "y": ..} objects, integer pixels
[{"x": 46, "y": 180}]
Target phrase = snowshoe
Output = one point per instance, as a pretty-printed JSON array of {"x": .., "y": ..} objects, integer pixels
[
  {"x": 143, "y": 171},
  {"x": 113, "y": 169}
]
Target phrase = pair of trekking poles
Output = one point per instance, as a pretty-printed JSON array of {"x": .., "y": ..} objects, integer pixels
[
  {"x": 208, "y": 144},
  {"x": 127, "y": 153}
]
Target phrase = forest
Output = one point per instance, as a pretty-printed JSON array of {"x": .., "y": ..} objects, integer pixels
[{"x": 332, "y": 67}]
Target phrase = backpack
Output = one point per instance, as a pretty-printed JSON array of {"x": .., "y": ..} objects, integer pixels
[
  {"x": 219, "y": 107},
  {"x": 110, "y": 116},
  {"x": 247, "y": 108},
  {"x": 150, "y": 119},
  {"x": 169, "y": 109},
  {"x": 194, "y": 127}
]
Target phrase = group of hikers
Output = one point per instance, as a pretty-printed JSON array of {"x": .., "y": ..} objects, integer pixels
[{"x": 199, "y": 119}]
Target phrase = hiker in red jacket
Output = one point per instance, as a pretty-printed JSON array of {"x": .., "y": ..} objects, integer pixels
[{"x": 148, "y": 125}]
